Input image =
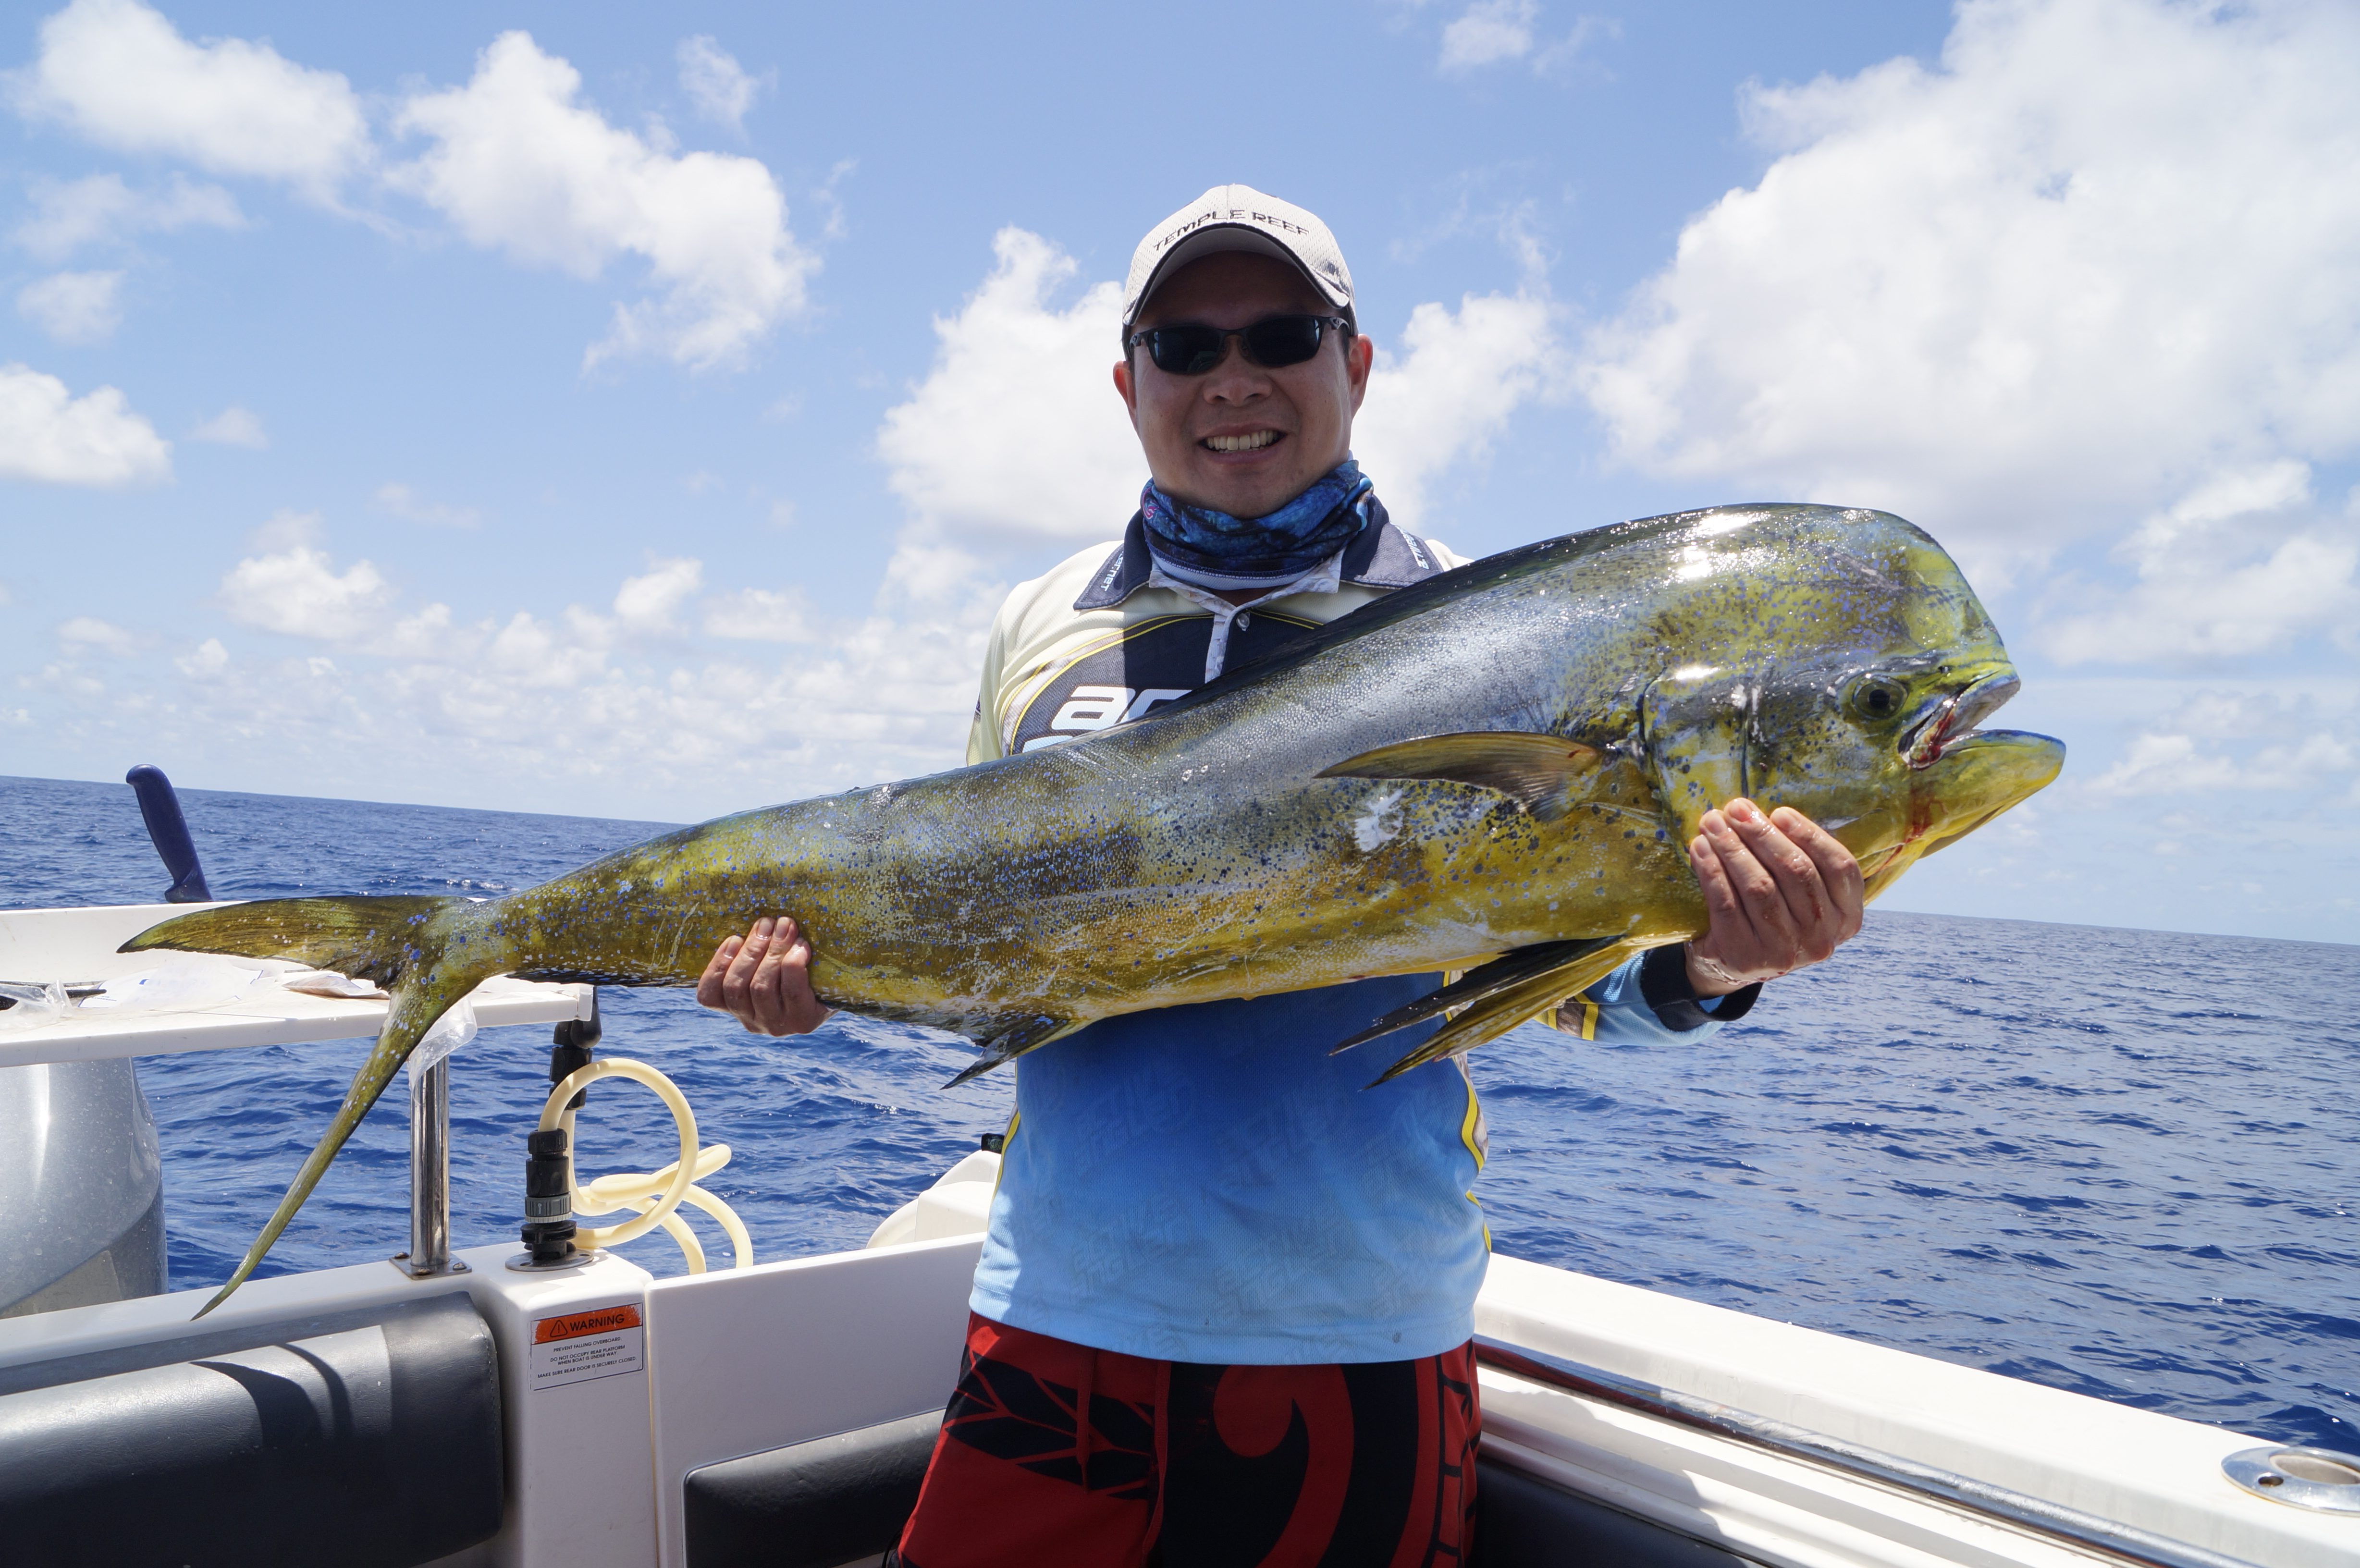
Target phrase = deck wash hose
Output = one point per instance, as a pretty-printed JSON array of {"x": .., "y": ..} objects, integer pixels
[{"x": 653, "y": 1194}]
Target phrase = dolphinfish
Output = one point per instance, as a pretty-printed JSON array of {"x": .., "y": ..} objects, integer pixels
[{"x": 1496, "y": 770}]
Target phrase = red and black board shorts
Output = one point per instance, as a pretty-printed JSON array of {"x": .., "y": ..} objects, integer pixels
[{"x": 1358, "y": 1465}]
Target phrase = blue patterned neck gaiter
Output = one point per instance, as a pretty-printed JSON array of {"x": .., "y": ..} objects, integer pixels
[{"x": 1243, "y": 552}]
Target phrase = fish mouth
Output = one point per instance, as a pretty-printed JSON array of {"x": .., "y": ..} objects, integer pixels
[{"x": 1953, "y": 719}]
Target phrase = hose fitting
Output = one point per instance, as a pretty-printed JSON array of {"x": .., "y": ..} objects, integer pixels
[{"x": 548, "y": 1227}]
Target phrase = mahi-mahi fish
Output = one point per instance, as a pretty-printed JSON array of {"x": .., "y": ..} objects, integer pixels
[{"x": 1494, "y": 771}]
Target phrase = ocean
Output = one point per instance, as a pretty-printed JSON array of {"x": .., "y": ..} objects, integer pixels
[{"x": 2121, "y": 1162}]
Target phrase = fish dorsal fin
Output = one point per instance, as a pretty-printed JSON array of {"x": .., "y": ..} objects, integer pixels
[{"x": 1538, "y": 771}]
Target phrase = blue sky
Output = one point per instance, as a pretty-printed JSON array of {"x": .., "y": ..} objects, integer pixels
[{"x": 639, "y": 411}]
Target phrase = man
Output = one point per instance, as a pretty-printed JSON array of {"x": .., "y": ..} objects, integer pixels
[{"x": 1223, "y": 1313}]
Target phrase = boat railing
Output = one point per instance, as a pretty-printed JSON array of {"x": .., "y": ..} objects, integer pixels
[{"x": 2089, "y": 1532}]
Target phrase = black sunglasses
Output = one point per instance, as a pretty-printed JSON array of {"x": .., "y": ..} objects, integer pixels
[{"x": 1272, "y": 342}]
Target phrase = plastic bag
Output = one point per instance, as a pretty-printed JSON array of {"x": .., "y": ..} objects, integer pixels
[
  {"x": 180, "y": 987},
  {"x": 452, "y": 1030},
  {"x": 30, "y": 1006},
  {"x": 328, "y": 983}
]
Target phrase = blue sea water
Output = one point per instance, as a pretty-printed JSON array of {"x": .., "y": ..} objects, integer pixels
[{"x": 2121, "y": 1162}]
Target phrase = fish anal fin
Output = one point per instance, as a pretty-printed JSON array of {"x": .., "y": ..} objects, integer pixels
[
  {"x": 1540, "y": 772},
  {"x": 1488, "y": 1019},
  {"x": 1006, "y": 1045},
  {"x": 1487, "y": 980}
]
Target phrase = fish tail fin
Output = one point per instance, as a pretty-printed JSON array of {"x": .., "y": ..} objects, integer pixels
[
  {"x": 368, "y": 939},
  {"x": 405, "y": 945}
]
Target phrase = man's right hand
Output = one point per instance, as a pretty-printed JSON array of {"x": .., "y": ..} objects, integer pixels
[{"x": 763, "y": 980}]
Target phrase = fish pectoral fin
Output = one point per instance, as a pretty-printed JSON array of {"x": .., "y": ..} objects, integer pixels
[
  {"x": 1009, "y": 1043},
  {"x": 1540, "y": 772},
  {"x": 1481, "y": 983},
  {"x": 1505, "y": 1007}
]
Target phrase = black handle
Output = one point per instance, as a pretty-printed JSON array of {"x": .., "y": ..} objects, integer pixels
[{"x": 169, "y": 832}]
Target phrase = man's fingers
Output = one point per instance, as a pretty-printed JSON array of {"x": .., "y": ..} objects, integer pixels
[
  {"x": 1839, "y": 871},
  {"x": 804, "y": 1011},
  {"x": 1765, "y": 902},
  {"x": 737, "y": 979},
  {"x": 779, "y": 995},
  {"x": 1720, "y": 900},
  {"x": 763, "y": 995},
  {"x": 709, "y": 984},
  {"x": 1817, "y": 920}
]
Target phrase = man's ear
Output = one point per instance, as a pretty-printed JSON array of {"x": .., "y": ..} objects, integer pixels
[
  {"x": 1358, "y": 355},
  {"x": 1124, "y": 387}
]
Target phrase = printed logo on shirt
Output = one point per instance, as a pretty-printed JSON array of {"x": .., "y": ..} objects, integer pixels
[{"x": 1130, "y": 676}]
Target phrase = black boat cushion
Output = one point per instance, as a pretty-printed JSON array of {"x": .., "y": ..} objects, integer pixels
[
  {"x": 810, "y": 1505},
  {"x": 369, "y": 1439},
  {"x": 840, "y": 1500}
]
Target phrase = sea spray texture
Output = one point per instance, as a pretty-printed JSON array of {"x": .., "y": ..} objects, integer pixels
[
  {"x": 1502, "y": 764},
  {"x": 2083, "y": 1156}
]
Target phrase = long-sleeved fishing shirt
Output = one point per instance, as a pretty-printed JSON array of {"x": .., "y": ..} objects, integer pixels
[{"x": 1207, "y": 1183}]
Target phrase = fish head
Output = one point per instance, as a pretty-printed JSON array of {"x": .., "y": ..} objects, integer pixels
[{"x": 1847, "y": 682}]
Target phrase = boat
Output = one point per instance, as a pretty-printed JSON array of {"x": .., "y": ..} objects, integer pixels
[{"x": 546, "y": 1407}]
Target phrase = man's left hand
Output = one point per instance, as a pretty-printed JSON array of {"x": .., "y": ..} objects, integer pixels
[{"x": 1782, "y": 893}]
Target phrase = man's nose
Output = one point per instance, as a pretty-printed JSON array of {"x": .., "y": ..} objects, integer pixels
[{"x": 1234, "y": 377}]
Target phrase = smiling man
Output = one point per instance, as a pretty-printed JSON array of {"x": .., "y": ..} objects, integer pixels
[{"x": 1224, "y": 1311}]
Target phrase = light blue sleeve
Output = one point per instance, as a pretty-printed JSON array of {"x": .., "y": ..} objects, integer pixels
[{"x": 1616, "y": 1010}]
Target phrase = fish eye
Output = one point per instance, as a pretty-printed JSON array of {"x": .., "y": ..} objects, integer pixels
[{"x": 1877, "y": 697}]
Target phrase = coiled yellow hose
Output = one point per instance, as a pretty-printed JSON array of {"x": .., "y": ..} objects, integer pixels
[{"x": 656, "y": 1193}]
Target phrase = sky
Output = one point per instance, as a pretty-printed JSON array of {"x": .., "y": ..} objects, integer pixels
[{"x": 639, "y": 411}]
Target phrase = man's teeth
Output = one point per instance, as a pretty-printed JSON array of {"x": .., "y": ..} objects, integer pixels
[{"x": 1253, "y": 442}]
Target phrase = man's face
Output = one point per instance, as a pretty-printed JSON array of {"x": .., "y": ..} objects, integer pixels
[{"x": 1242, "y": 439}]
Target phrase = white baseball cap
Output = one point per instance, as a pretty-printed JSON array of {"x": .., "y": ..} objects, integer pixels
[{"x": 1239, "y": 217}]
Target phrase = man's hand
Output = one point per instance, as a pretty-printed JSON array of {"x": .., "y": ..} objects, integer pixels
[
  {"x": 763, "y": 980},
  {"x": 1782, "y": 892}
]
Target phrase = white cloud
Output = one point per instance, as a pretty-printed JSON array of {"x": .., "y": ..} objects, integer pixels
[
  {"x": 719, "y": 87},
  {"x": 208, "y": 657},
  {"x": 1488, "y": 32},
  {"x": 74, "y": 307},
  {"x": 1451, "y": 396},
  {"x": 520, "y": 166},
  {"x": 403, "y": 502},
  {"x": 297, "y": 592},
  {"x": 119, "y": 74},
  {"x": 2180, "y": 764},
  {"x": 2097, "y": 255},
  {"x": 2242, "y": 566},
  {"x": 1017, "y": 433},
  {"x": 758, "y": 615},
  {"x": 234, "y": 426},
  {"x": 648, "y": 603},
  {"x": 51, "y": 437},
  {"x": 99, "y": 209},
  {"x": 572, "y": 695},
  {"x": 87, "y": 634}
]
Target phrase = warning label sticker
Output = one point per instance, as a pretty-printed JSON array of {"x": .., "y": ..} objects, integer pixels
[{"x": 582, "y": 1347}]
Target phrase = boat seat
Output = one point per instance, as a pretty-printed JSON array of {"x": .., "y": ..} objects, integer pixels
[
  {"x": 843, "y": 1499},
  {"x": 810, "y": 1505},
  {"x": 369, "y": 1439}
]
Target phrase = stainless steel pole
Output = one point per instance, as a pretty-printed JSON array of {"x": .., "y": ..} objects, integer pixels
[{"x": 430, "y": 1175}]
